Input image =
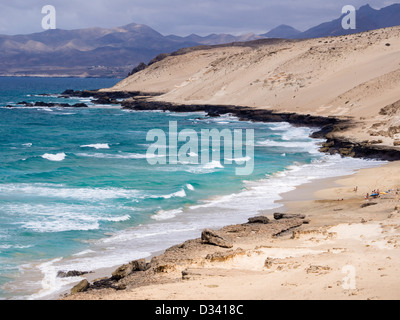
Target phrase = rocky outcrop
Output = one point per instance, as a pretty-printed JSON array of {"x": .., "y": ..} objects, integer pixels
[
  {"x": 141, "y": 66},
  {"x": 391, "y": 109},
  {"x": 51, "y": 104},
  {"x": 365, "y": 150}
]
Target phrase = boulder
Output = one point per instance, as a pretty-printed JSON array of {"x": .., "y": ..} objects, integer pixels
[
  {"x": 80, "y": 287},
  {"x": 260, "y": 219},
  {"x": 71, "y": 274},
  {"x": 214, "y": 238},
  {"x": 128, "y": 269}
]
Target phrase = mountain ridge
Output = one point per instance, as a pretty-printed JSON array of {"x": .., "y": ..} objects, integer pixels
[{"x": 114, "y": 52}]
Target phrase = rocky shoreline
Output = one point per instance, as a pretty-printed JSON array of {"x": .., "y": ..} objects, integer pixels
[
  {"x": 139, "y": 273},
  {"x": 175, "y": 259},
  {"x": 330, "y": 128}
]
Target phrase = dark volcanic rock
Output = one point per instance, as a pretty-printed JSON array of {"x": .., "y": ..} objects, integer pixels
[
  {"x": 71, "y": 274},
  {"x": 79, "y": 105},
  {"x": 280, "y": 216},
  {"x": 52, "y": 104},
  {"x": 137, "y": 69},
  {"x": 260, "y": 219}
]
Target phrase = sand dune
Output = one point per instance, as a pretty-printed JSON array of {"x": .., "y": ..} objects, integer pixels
[{"x": 349, "y": 76}]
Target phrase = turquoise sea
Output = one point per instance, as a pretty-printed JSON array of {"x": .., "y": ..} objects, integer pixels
[{"x": 77, "y": 193}]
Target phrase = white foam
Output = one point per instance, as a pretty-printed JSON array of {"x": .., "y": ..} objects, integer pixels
[
  {"x": 97, "y": 146},
  {"x": 178, "y": 194},
  {"x": 62, "y": 219},
  {"x": 303, "y": 146},
  {"x": 83, "y": 253},
  {"x": 213, "y": 165},
  {"x": 115, "y": 156},
  {"x": 45, "y": 109},
  {"x": 63, "y": 192},
  {"x": 175, "y": 226},
  {"x": 209, "y": 167},
  {"x": 165, "y": 215},
  {"x": 280, "y": 126},
  {"x": 240, "y": 160},
  {"x": 51, "y": 285},
  {"x": 261, "y": 195},
  {"x": 190, "y": 187},
  {"x": 54, "y": 157}
]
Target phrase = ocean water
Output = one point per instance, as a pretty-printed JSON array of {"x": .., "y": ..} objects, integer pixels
[{"x": 77, "y": 193}]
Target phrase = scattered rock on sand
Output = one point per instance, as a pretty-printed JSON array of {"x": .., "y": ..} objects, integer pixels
[
  {"x": 318, "y": 269},
  {"x": 128, "y": 269},
  {"x": 80, "y": 287},
  {"x": 260, "y": 219},
  {"x": 214, "y": 238},
  {"x": 280, "y": 216}
]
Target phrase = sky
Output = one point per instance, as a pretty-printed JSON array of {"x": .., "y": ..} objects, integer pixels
[{"x": 179, "y": 17}]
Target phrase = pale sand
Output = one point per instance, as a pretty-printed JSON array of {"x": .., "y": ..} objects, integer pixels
[
  {"x": 310, "y": 262},
  {"x": 352, "y": 77}
]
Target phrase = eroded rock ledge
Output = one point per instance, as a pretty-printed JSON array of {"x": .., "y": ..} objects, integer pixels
[{"x": 214, "y": 245}]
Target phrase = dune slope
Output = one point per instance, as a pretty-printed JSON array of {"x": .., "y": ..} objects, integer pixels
[{"x": 353, "y": 76}]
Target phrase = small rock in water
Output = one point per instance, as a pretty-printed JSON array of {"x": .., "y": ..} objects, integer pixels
[{"x": 71, "y": 274}]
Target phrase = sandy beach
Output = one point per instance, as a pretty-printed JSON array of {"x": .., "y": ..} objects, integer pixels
[
  {"x": 338, "y": 244},
  {"x": 347, "y": 250}
]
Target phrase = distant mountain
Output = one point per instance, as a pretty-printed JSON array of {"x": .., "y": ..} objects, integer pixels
[
  {"x": 100, "y": 52},
  {"x": 214, "y": 39},
  {"x": 84, "y": 52},
  {"x": 367, "y": 19},
  {"x": 94, "y": 52},
  {"x": 282, "y": 31}
]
